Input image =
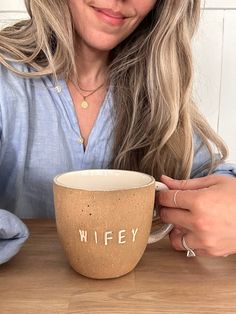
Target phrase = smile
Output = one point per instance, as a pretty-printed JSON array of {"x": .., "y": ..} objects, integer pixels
[{"x": 110, "y": 17}]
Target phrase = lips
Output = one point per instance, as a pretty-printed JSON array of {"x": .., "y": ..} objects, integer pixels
[
  {"x": 110, "y": 13},
  {"x": 110, "y": 17}
]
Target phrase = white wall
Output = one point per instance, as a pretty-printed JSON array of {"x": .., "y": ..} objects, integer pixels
[
  {"x": 215, "y": 62},
  {"x": 215, "y": 68},
  {"x": 11, "y": 10}
]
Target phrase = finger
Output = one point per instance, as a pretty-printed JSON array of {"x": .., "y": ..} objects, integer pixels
[
  {"x": 177, "y": 199},
  {"x": 178, "y": 217},
  {"x": 190, "y": 240},
  {"x": 194, "y": 243},
  {"x": 191, "y": 184}
]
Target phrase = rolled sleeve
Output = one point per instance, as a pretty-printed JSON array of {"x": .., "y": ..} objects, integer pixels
[
  {"x": 202, "y": 160},
  {"x": 227, "y": 169}
]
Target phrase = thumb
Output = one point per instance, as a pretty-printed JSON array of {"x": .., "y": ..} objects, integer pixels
[{"x": 190, "y": 184}]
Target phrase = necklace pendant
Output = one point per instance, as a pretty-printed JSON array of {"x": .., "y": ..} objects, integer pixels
[{"x": 84, "y": 104}]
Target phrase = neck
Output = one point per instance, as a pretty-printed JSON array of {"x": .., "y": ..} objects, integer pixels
[{"x": 91, "y": 65}]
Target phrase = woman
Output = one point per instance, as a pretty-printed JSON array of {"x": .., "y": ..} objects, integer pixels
[{"x": 107, "y": 84}]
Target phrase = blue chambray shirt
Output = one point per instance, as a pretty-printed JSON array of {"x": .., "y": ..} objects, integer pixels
[{"x": 40, "y": 136}]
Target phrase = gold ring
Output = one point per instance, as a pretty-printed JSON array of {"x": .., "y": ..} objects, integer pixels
[{"x": 174, "y": 198}]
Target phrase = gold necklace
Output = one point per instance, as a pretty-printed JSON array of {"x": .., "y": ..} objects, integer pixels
[
  {"x": 84, "y": 104},
  {"x": 85, "y": 90}
]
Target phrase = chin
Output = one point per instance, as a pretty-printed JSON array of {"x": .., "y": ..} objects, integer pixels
[
  {"x": 103, "y": 44},
  {"x": 104, "y": 48}
]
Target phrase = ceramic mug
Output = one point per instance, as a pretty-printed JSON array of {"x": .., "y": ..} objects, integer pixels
[{"x": 104, "y": 218}]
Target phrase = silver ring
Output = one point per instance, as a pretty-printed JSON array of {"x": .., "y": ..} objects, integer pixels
[
  {"x": 174, "y": 198},
  {"x": 190, "y": 252}
]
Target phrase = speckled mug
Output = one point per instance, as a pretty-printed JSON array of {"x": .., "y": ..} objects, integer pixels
[{"x": 104, "y": 219}]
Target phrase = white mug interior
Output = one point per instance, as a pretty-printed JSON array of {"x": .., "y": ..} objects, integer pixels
[{"x": 104, "y": 179}]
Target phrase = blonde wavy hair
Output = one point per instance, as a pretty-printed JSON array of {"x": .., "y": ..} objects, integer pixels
[{"x": 151, "y": 73}]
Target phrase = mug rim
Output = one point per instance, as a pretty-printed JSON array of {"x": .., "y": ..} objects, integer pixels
[{"x": 56, "y": 182}]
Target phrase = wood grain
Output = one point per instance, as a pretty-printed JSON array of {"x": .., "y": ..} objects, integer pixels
[{"x": 39, "y": 280}]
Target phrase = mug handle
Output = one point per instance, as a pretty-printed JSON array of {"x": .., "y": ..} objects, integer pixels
[{"x": 164, "y": 229}]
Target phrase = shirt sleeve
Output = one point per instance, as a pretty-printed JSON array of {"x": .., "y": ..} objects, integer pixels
[
  {"x": 202, "y": 159},
  {"x": 13, "y": 233}
]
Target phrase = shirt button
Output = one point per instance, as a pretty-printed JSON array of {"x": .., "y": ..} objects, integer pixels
[
  {"x": 58, "y": 88},
  {"x": 81, "y": 140}
]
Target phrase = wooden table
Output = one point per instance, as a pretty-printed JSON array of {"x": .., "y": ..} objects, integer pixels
[{"x": 39, "y": 280}]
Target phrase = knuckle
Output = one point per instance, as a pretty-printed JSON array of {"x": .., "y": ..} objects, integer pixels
[
  {"x": 202, "y": 224},
  {"x": 210, "y": 245},
  {"x": 197, "y": 223},
  {"x": 183, "y": 184},
  {"x": 199, "y": 202}
]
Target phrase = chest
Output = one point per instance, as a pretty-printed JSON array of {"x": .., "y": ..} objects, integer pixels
[
  {"x": 86, "y": 117},
  {"x": 41, "y": 132}
]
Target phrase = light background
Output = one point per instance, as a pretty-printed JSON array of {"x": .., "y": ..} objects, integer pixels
[{"x": 214, "y": 49}]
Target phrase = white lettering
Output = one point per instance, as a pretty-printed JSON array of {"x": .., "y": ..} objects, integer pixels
[
  {"x": 121, "y": 236},
  {"x": 96, "y": 236},
  {"x": 106, "y": 236},
  {"x": 134, "y": 232},
  {"x": 83, "y": 235},
  {"x": 86, "y": 236}
]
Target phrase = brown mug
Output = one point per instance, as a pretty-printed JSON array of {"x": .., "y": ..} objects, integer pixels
[{"x": 104, "y": 219}]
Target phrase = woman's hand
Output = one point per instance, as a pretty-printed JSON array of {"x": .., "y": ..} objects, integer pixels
[{"x": 204, "y": 212}]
